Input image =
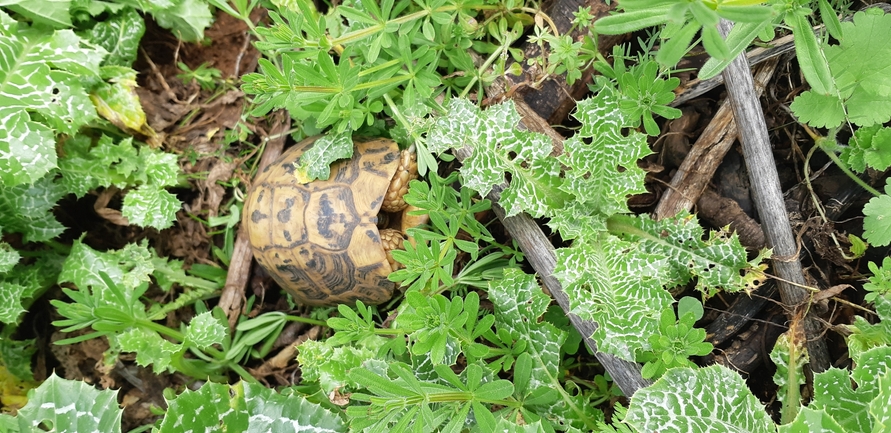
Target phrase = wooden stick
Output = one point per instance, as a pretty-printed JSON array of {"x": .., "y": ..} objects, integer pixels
[
  {"x": 706, "y": 155},
  {"x": 768, "y": 198},
  {"x": 232, "y": 298}
]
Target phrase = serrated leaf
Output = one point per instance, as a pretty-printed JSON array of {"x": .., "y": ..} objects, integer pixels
[
  {"x": 618, "y": 286},
  {"x": 37, "y": 77},
  {"x": 861, "y": 44},
  {"x": 71, "y": 406},
  {"x": 246, "y": 407},
  {"x": 603, "y": 158},
  {"x": 119, "y": 34},
  {"x": 859, "y": 72},
  {"x": 717, "y": 262},
  {"x": 129, "y": 266},
  {"x": 834, "y": 394},
  {"x": 204, "y": 331},
  {"x": 499, "y": 148},
  {"x": 708, "y": 399},
  {"x": 330, "y": 366},
  {"x": 810, "y": 420},
  {"x": 879, "y": 409},
  {"x": 8, "y": 256},
  {"x": 11, "y": 295},
  {"x": 117, "y": 102},
  {"x": 519, "y": 303},
  {"x": 150, "y": 348},
  {"x": 818, "y": 110},
  {"x": 870, "y": 146},
  {"x": 27, "y": 209},
  {"x": 151, "y": 206},
  {"x": 315, "y": 162},
  {"x": 15, "y": 356},
  {"x": 186, "y": 19}
]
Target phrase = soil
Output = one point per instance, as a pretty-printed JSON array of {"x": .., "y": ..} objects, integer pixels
[{"x": 194, "y": 125}]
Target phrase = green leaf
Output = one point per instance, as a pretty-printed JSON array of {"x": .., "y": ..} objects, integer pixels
[
  {"x": 519, "y": 303},
  {"x": 631, "y": 21},
  {"x": 204, "y": 331},
  {"x": 70, "y": 406},
  {"x": 315, "y": 163},
  {"x": 859, "y": 75},
  {"x": 870, "y": 147},
  {"x": 53, "y": 13},
  {"x": 789, "y": 355},
  {"x": 27, "y": 209},
  {"x": 822, "y": 111},
  {"x": 119, "y": 35},
  {"x": 857, "y": 64},
  {"x": 810, "y": 420},
  {"x": 246, "y": 407},
  {"x": 708, "y": 399},
  {"x": 499, "y": 148},
  {"x": 38, "y": 76},
  {"x": 617, "y": 285},
  {"x": 716, "y": 261},
  {"x": 877, "y": 221},
  {"x": 739, "y": 38},
  {"x": 834, "y": 395},
  {"x": 8, "y": 257},
  {"x": 150, "y": 349},
  {"x": 810, "y": 56},
  {"x": 830, "y": 20},
  {"x": 151, "y": 207},
  {"x": 603, "y": 159},
  {"x": 186, "y": 19}
]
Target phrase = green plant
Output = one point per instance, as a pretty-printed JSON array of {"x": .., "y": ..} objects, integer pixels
[
  {"x": 429, "y": 258},
  {"x": 677, "y": 340},
  {"x": 204, "y": 75}
]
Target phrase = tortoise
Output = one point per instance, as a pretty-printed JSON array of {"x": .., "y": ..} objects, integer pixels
[{"x": 320, "y": 240}]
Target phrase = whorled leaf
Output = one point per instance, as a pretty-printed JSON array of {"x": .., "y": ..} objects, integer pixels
[
  {"x": 709, "y": 399},
  {"x": 70, "y": 406}
]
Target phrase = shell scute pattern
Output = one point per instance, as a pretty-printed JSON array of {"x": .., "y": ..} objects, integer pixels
[{"x": 320, "y": 240}]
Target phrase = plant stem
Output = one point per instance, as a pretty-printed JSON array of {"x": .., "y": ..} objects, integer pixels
[{"x": 841, "y": 165}]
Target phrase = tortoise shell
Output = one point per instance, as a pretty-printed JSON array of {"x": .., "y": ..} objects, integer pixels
[{"x": 320, "y": 240}]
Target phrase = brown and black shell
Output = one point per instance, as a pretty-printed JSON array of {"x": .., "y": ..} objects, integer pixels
[{"x": 320, "y": 240}]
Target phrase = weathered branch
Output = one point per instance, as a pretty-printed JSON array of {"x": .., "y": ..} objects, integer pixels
[{"x": 768, "y": 198}]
